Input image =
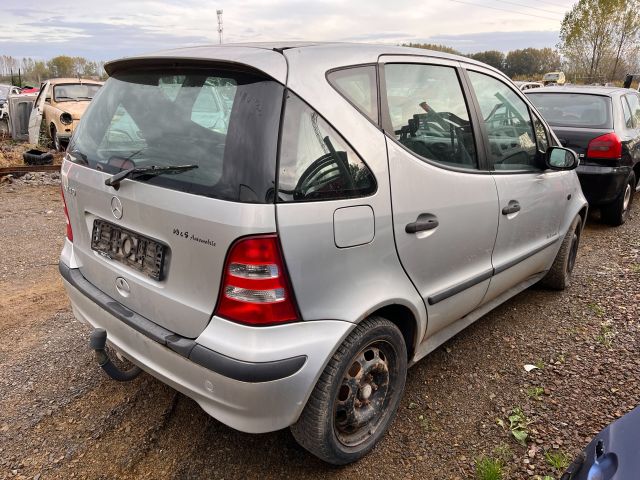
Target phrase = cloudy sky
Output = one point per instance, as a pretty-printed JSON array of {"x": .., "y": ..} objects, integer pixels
[{"x": 105, "y": 29}]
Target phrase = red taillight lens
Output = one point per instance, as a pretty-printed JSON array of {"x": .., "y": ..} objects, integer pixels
[
  {"x": 255, "y": 289},
  {"x": 66, "y": 217},
  {"x": 605, "y": 146}
]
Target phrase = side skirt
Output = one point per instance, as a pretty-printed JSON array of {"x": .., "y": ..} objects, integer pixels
[{"x": 446, "y": 333}]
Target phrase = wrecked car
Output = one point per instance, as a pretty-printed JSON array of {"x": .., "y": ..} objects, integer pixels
[{"x": 58, "y": 109}]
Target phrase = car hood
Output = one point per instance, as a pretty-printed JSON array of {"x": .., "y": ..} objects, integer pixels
[{"x": 76, "y": 109}]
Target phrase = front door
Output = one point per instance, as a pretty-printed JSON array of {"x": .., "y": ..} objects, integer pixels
[
  {"x": 35, "y": 118},
  {"x": 532, "y": 198},
  {"x": 445, "y": 207}
]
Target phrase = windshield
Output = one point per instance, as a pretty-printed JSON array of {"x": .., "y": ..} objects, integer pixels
[
  {"x": 573, "y": 109},
  {"x": 226, "y": 123},
  {"x": 72, "y": 92},
  {"x": 4, "y": 91}
]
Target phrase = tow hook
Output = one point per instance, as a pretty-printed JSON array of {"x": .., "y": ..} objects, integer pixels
[{"x": 97, "y": 342}]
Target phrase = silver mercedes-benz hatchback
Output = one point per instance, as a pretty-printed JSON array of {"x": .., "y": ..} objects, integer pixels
[{"x": 279, "y": 230}]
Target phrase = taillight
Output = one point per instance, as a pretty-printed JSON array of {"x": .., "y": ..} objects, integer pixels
[
  {"x": 605, "y": 146},
  {"x": 255, "y": 289},
  {"x": 66, "y": 217}
]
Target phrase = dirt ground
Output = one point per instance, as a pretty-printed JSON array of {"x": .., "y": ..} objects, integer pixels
[
  {"x": 61, "y": 417},
  {"x": 11, "y": 152}
]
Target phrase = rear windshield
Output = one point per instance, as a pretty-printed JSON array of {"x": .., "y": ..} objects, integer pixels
[
  {"x": 225, "y": 122},
  {"x": 574, "y": 109}
]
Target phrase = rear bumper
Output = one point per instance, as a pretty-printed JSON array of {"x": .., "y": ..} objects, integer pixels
[
  {"x": 602, "y": 185},
  {"x": 252, "y": 379}
]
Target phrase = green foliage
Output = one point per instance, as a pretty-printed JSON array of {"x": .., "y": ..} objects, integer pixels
[
  {"x": 33, "y": 72},
  {"x": 489, "y": 469},
  {"x": 535, "y": 392},
  {"x": 597, "y": 309},
  {"x": 605, "y": 337},
  {"x": 433, "y": 46},
  {"x": 518, "y": 425},
  {"x": 491, "y": 57},
  {"x": 558, "y": 460},
  {"x": 532, "y": 63},
  {"x": 600, "y": 39}
]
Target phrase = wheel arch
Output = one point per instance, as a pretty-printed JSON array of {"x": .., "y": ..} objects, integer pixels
[{"x": 406, "y": 321}]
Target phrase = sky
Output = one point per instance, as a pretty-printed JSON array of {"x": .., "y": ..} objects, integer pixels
[{"x": 107, "y": 29}]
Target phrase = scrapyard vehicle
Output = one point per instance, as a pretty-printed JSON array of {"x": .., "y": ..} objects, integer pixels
[
  {"x": 58, "y": 109},
  {"x": 358, "y": 206}
]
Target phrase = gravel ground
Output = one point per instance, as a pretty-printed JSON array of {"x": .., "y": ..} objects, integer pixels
[{"x": 61, "y": 417}]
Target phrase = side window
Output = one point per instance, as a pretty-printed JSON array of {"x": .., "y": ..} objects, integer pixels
[
  {"x": 316, "y": 163},
  {"x": 429, "y": 115},
  {"x": 634, "y": 105},
  {"x": 626, "y": 112},
  {"x": 542, "y": 138},
  {"x": 511, "y": 136},
  {"x": 359, "y": 86}
]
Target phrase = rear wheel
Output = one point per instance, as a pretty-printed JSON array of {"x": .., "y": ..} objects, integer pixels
[
  {"x": 618, "y": 212},
  {"x": 357, "y": 395},
  {"x": 559, "y": 276}
]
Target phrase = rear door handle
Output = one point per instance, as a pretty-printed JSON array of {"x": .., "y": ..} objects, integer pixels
[
  {"x": 425, "y": 221},
  {"x": 512, "y": 207}
]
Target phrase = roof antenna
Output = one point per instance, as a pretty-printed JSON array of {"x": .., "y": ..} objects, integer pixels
[{"x": 219, "y": 12}]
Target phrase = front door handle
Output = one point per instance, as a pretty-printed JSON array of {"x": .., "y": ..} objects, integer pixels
[
  {"x": 513, "y": 207},
  {"x": 425, "y": 221}
]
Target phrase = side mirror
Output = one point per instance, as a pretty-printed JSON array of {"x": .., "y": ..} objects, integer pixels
[{"x": 560, "y": 158}]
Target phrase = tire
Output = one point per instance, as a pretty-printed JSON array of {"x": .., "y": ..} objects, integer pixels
[
  {"x": 616, "y": 213},
  {"x": 374, "y": 353},
  {"x": 559, "y": 276}
]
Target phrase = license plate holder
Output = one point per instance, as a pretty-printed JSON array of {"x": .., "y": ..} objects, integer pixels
[{"x": 137, "y": 251}]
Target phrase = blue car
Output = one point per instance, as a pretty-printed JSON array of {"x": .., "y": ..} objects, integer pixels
[{"x": 613, "y": 454}]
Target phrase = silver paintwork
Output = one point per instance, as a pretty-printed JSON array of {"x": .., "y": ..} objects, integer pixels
[{"x": 346, "y": 258}]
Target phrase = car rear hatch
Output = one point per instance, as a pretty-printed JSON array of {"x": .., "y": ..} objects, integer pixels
[
  {"x": 157, "y": 243},
  {"x": 576, "y": 118}
]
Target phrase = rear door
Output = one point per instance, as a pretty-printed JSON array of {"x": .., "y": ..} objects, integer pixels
[
  {"x": 157, "y": 244},
  {"x": 532, "y": 199},
  {"x": 445, "y": 205}
]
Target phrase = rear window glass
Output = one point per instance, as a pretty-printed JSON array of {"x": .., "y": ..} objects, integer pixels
[
  {"x": 358, "y": 85},
  {"x": 574, "y": 109},
  {"x": 316, "y": 163},
  {"x": 226, "y": 123}
]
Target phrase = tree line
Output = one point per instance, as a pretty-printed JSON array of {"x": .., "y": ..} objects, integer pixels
[
  {"x": 32, "y": 72},
  {"x": 599, "y": 42},
  {"x": 529, "y": 63}
]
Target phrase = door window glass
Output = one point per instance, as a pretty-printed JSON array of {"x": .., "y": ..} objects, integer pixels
[
  {"x": 628, "y": 119},
  {"x": 634, "y": 105},
  {"x": 511, "y": 136},
  {"x": 428, "y": 113},
  {"x": 315, "y": 161},
  {"x": 542, "y": 138},
  {"x": 359, "y": 86}
]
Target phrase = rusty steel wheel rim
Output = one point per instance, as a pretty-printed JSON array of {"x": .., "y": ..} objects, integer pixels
[{"x": 364, "y": 394}]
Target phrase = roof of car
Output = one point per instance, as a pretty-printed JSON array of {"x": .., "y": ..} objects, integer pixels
[
  {"x": 582, "y": 89},
  {"x": 355, "y": 52},
  {"x": 56, "y": 81}
]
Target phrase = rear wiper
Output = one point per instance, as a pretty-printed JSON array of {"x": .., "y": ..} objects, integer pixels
[{"x": 115, "y": 180}]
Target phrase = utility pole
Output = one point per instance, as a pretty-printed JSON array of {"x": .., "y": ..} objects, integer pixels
[{"x": 219, "y": 12}]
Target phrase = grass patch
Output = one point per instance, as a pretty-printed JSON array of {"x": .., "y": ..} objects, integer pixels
[
  {"x": 597, "y": 309},
  {"x": 489, "y": 468},
  {"x": 605, "y": 337},
  {"x": 558, "y": 460},
  {"x": 535, "y": 392}
]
